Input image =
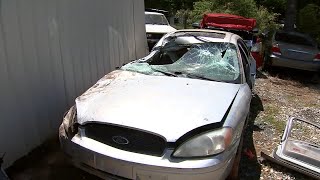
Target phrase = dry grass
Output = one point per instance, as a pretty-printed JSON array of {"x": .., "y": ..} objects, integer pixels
[{"x": 282, "y": 96}]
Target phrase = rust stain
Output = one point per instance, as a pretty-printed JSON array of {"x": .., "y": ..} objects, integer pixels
[
  {"x": 100, "y": 86},
  {"x": 112, "y": 75}
]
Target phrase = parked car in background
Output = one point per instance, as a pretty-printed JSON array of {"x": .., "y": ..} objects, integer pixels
[
  {"x": 293, "y": 50},
  {"x": 244, "y": 27},
  {"x": 177, "y": 114},
  {"x": 157, "y": 25}
]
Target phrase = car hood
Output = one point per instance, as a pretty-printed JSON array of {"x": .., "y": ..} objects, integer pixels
[
  {"x": 168, "y": 106},
  {"x": 153, "y": 28}
]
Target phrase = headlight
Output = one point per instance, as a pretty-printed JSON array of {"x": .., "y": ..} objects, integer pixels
[
  {"x": 149, "y": 35},
  {"x": 207, "y": 144}
]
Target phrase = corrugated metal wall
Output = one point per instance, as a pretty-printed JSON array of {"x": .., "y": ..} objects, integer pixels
[{"x": 50, "y": 52}]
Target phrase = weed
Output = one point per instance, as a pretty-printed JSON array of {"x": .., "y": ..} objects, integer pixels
[{"x": 270, "y": 117}]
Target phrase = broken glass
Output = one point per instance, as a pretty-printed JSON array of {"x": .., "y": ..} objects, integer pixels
[
  {"x": 143, "y": 68},
  {"x": 207, "y": 60},
  {"x": 216, "y": 61}
]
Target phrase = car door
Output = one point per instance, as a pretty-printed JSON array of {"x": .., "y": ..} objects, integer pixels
[{"x": 248, "y": 62}]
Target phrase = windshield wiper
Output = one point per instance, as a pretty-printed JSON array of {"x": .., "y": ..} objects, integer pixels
[
  {"x": 164, "y": 72},
  {"x": 200, "y": 77},
  {"x": 197, "y": 76}
]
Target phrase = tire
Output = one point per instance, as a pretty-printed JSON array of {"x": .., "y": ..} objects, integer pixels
[
  {"x": 266, "y": 65},
  {"x": 315, "y": 77}
]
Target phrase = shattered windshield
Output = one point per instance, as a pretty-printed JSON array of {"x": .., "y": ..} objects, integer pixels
[
  {"x": 156, "y": 19},
  {"x": 216, "y": 61}
]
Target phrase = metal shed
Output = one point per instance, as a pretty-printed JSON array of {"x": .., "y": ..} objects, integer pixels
[{"x": 51, "y": 51}]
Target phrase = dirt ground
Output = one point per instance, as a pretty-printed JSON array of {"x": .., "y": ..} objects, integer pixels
[{"x": 279, "y": 94}]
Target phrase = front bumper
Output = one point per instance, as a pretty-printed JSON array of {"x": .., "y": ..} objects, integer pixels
[
  {"x": 111, "y": 163},
  {"x": 295, "y": 64}
]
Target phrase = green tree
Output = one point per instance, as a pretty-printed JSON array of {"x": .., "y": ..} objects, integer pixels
[
  {"x": 291, "y": 13},
  {"x": 246, "y": 8},
  {"x": 309, "y": 20},
  {"x": 170, "y": 5},
  {"x": 275, "y": 6},
  {"x": 302, "y": 4}
]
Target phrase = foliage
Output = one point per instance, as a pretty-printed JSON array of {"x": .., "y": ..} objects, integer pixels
[
  {"x": 302, "y": 4},
  {"x": 170, "y": 5},
  {"x": 266, "y": 21},
  {"x": 184, "y": 14},
  {"x": 309, "y": 20},
  {"x": 246, "y": 8},
  {"x": 276, "y": 6}
]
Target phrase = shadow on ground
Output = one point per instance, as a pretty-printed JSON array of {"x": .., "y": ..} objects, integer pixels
[
  {"x": 46, "y": 162},
  {"x": 250, "y": 168},
  {"x": 306, "y": 78}
]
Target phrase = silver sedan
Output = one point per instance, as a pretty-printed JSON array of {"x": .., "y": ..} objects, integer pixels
[
  {"x": 176, "y": 114},
  {"x": 293, "y": 50}
]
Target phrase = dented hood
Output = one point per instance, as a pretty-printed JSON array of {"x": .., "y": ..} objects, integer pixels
[{"x": 168, "y": 106}]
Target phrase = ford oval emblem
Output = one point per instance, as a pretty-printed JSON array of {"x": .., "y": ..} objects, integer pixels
[{"x": 120, "y": 140}]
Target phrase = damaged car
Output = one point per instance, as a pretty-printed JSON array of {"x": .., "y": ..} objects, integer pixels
[
  {"x": 299, "y": 149},
  {"x": 178, "y": 113}
]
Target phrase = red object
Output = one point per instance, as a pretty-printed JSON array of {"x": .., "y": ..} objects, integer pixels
[
  {"x": 259, "y": 40},
  {"x": 228, "y": 21},
  {"x": 317, "y": 56},
  {"x": 249, "y": 153},
  {"x": 275, "y": 49},
  {"x": 233, "y": 22},
  {"x": 259, "y": 60}
]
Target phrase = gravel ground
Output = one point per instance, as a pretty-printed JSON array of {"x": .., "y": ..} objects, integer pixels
[{"x": 278, "y": 95}]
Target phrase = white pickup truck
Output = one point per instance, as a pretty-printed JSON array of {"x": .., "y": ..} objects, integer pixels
[{"x": 157, "y": 25}]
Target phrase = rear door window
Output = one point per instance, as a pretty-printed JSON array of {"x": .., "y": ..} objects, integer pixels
[{"x": 294, "y": 39}]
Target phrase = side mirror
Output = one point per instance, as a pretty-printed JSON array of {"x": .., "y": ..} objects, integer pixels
[{"x": 196, "y": 25}]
